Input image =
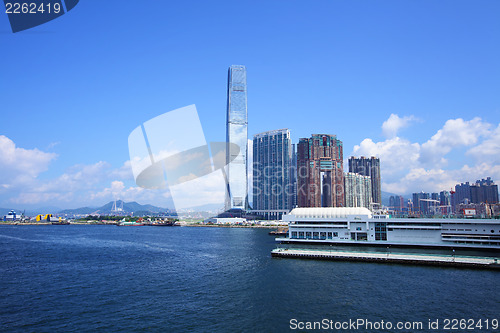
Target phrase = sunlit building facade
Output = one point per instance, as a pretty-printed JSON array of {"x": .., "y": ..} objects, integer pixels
[
  {"x": 358, "y": 190},
  {"x": 320, "y": 175},
  {"x": 237, "y": 133},
  {"x": 273, "y": 189},
  {"x": 368, "y": 167}
]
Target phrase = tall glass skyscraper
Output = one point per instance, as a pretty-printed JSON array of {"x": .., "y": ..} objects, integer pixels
[
  {"x": 237, "y": 133},
  {"x": 273, "y": 187}
]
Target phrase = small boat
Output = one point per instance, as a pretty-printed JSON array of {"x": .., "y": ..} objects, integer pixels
[
  {"x": 281, "y": 231},
  {"x": 123, "y": 224},
  {"x": 163, "y": 224}
]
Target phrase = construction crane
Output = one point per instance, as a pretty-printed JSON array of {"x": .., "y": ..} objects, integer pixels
[{"x": 435, "y": 206}]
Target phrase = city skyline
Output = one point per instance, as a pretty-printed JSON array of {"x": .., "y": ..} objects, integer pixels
[
  {"x": 479, "y": 198},
  {"x": 422, "y": 98}
]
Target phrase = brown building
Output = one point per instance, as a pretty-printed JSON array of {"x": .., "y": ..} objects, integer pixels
[{"x": 320, "y": 175}]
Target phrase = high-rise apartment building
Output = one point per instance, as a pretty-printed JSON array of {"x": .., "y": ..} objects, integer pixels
[
  {"x": 358, "y": 190},
  {"x": 482, "y": 191},
  {"x": 320, "y": 176},
  {"x": 368, "y": 167},
  {"x": 272, "y": 174},
  {"x": 421, "y": 203},
  {"x": 444, "y": 198},
  {"x": 396, "y": 203},
  {"x": 293, "y": 175},
  {"x": 237, "y": 133},
  {"x": 462, "y": 193},
  {"x": 445, "y": 202}
]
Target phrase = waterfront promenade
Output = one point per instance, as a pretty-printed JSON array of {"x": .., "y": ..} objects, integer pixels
[{"x": 399, "y": 258}]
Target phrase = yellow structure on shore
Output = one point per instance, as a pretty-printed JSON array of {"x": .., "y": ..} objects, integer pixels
[{"x": 47, "y": 218}]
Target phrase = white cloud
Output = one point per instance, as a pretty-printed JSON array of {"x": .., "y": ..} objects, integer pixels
[
  {"x": 396, "y": 154},
  {"x": 488, "y": 150},
  {"x": 420, "y": 179},
  {"x": 77, "y": 178},
  {"x": 391, "y": 126},
  {"x": 32, "y": 198},
  {"x": 408, "y": 167},
  {"x": 80, "y": 185},
  {"x": 209, "y": 189},
  {"x": 436, "y": 180},
  {"x": 124, "y": 172},
  {"x": 117, "y": 190},
  {"x": 455, "y": 133},
  {"x": 77, "y": 183},
  {"x": 19, "y": 165}
]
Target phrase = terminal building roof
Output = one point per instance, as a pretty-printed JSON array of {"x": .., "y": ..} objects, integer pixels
[{"x": 330, "y": 212}]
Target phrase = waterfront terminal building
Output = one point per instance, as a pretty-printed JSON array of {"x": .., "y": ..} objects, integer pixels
[{"x": 358, "y": 226}]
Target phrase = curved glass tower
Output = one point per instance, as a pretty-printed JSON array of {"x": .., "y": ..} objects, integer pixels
[{"x": 237, "y": 133}]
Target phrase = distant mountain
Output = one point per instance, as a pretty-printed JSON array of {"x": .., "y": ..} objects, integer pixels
[
  {"x": 78, "y": 211},
  {"x": 127, "y": 207},
  {"x": 385, "y": 198},
  {"x": 43, "y": 210}
]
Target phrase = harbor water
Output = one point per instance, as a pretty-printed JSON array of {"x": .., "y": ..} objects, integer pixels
[{"x": 73, "y": 278}]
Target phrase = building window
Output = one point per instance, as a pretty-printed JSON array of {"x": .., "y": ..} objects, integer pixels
[
  {"x": 329, "y": 235},
  {"x": 381, "y": 231},
  {"x": 362, "y": 236},
  {"x": 294, "y": 234},
  {"x": 335, "y": 234},
  {"x": 301, "y": 234},
  {"x": 322, "y": 235},
  {"x": 308, "y": 235},
  {"x": 316, "y": 235}
]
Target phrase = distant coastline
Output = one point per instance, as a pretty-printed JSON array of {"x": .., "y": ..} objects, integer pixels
[{"x": 181, "y": 224}]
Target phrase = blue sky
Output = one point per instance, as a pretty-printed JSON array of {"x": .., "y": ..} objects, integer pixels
[{"x": 73, "y": 89}]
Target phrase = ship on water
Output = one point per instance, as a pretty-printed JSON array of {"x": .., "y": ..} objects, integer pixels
[
  {"x": 163, "y": 224},
  {"x": 129, "y": 224},
  {"x": 13, "y": 216}
]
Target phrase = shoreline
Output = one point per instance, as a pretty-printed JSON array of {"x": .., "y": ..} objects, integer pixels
[
  {"x": 228, "y": 226},
  {"x": 180, "y": 225}
]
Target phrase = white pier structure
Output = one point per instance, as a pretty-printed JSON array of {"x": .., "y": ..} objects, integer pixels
[{"x": 358, "y": 226}]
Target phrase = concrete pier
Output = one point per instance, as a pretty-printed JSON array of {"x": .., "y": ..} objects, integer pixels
[{"x": 397, "y": 258}]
